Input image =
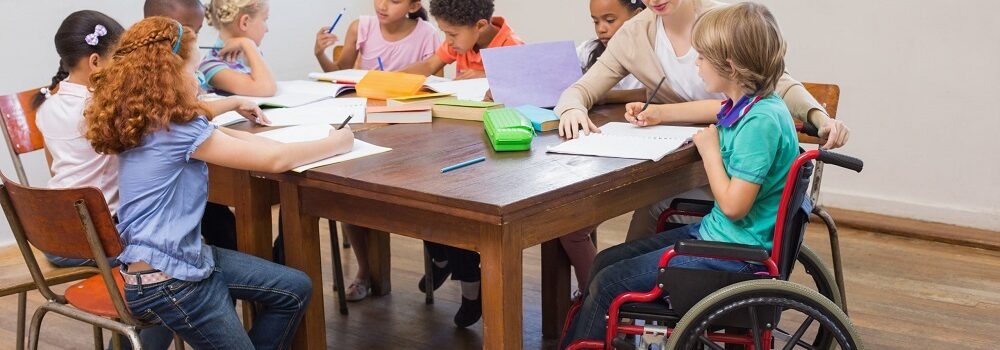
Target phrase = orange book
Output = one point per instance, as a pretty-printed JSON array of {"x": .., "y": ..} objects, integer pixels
[
  {"x": 398, "y": 114},
  {"x": 381, "y": 85}
]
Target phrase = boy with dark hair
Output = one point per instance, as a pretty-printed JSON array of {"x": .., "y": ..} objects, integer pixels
[
  {"x": 191, "y": 13},
  {"x": 469, "y": 26}
]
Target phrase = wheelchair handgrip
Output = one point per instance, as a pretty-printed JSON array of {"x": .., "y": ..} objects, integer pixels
[
  {"x": 840, "y": 160},
  {"x": 809, "y": 129}
]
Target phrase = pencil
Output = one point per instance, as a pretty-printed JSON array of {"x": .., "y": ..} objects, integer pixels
[
  {"x": 462, "y": 164},
  {"x": 336, "y": 20},
  {"x": 345, "y": 122}
]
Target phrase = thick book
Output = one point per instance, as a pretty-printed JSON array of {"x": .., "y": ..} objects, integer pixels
[
  {"x": 462, "y": 109},
  {"x": 399, "y": 114},
  {"x": 541, "y": 119}
]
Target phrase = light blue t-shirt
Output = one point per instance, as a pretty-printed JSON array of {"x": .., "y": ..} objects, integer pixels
[{"x": 163, "y": 192}]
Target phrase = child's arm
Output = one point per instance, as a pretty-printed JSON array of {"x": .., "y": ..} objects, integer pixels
[
  {"x": 734, "y": 196},
  {"x": 428, "y": 66},
  {"x": 694, "y": 112},
  {"x": 244, "y": 107},
  {"x": 246, "y": 151},
  {"x": 471, "y": 74},
  {"x": 349, "y": 54},
  {"x": 260, "y": 81}
]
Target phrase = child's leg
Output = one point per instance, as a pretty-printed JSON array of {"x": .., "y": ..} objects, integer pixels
[
  {"x": 638, "y": 247},
  {"x": 358, "y": 236},
  {"x": 283, "y": 292},
  {"x": 581, "y": 252},
  {"x": 200, "y": 312}
]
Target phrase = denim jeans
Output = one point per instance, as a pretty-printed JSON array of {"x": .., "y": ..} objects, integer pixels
[
  {"x": 632, "y": 266},
  {"x": 202, "y": 312},
  {"x": 153, "y": 338}
]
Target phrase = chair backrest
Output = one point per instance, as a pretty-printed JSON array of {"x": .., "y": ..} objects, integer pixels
[
  {"x": 19, "y": 130},
  {"x": 828, "y": 95},
  {"x": 51, "y": 221},
  {"x": 796, "y": 210}
]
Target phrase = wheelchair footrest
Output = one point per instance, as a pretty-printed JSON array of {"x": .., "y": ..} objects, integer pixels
[{"x": 657, "y": 311}]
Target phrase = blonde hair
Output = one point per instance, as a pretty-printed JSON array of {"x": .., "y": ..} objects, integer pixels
[
  {"x": 223, "y": 12},
  {"x": 747, "y": 35}
]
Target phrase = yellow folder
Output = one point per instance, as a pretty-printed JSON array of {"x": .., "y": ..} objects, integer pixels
[{"x": 385, "y": 85}]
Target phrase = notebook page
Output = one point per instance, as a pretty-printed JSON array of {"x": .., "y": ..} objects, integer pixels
[
  {"x": 329, "y": 111},
  {"x": 305, "y": 133},
  {"x": 658, "y": 131},
  {"x": 611, "y": 146},
  {"x": 346, "y": 75},
  {"x": 307, "y": 87}
]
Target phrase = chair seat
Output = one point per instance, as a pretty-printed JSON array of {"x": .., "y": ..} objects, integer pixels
[
  {"x": 90, "y": 295},
  {"x": 15, "y": 278},
  {"x": 652, "y": 311}
]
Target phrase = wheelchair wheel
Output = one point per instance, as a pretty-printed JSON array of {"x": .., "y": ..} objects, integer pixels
[
  {"x": 819, "y": 316},
  {"x": 821, "y": 277}
]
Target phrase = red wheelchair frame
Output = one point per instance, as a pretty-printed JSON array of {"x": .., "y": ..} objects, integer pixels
[{"x": 769, "y": 260}]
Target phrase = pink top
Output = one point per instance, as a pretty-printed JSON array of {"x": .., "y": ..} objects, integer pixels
[{"x": 396, "y": 55}]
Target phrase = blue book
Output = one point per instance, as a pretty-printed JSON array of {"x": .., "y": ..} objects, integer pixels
[{"x": 541, "y": 119}]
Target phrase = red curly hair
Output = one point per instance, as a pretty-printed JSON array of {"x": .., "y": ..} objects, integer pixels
[{"x": 146, "y": 86}]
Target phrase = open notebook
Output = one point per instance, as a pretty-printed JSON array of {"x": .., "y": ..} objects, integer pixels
[
  {"x": 326, "y": 111},
  {"x": 624, "y": 140},
  {"x": 305, "y": 133}
]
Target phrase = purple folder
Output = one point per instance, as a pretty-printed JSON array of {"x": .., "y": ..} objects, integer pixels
[{"x": 535, "y": 74}]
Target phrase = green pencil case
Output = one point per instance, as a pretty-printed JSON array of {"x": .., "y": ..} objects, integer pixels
[{"x": 508, "y": 130}]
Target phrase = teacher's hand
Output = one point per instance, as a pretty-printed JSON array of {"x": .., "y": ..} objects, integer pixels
[{"x": 572, "y": 121}]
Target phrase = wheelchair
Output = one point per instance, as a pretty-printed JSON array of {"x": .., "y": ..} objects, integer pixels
[{"x": 701, "y": 309}]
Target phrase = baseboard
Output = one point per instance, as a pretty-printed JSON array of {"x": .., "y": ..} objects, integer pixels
[
  {"x": 978, "y": 218},
  {"x": 932, "y": 231}
]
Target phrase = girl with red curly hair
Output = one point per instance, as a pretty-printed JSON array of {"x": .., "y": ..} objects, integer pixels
[{"x": 145, "y": 109}]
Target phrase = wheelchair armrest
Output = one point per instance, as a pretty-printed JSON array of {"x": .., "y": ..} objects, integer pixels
[{"x": 720, "y": 250}]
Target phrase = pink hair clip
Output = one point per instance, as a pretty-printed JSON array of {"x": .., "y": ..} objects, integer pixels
[{"x": 94, "y": 39}]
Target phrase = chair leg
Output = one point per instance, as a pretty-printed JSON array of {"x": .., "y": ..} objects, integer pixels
[
  {"x": 35, "y": 328},
  {"x": 338, "y": 268},
  {"x": 428, "y": 277},
  {"x": 347, "y": 242},
  {"x": 116, "y": 341},
  {"x": 22, "y": 306},
  {"x": 133, "y": 339},
  {"x": 98, "y": 338}
]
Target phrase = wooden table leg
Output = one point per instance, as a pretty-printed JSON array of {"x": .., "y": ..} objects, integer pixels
[
  {"x": 380, "y": 262},
  {"x": 302, "y": 252},
  {"x": 501, "y": 260},
  {"x": 251, "y": 197},
  {"x": 555, "y": 288}
]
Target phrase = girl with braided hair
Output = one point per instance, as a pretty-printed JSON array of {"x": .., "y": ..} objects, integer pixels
[
  {"x": 145, "y": 109},
  {"x": 236, "y": 65}
]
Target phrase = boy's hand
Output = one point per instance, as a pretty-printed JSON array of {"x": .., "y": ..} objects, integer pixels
[
  {"x": 324, "y": 41},
  {"x": 835, "y": 133},
  {"x": 233, "y": 48},
  {"x": 251, "y": 111},
  {"x": 470, "y": 74},
  {"x": 707, "y": 141},
  {"x": 571, "y": 122},
  {"x": 635, "y": 115}
]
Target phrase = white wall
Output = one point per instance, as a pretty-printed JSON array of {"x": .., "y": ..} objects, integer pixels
[{"x": 916, "y": 78}]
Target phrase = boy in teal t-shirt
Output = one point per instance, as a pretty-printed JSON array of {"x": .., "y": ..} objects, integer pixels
[{"x": 747, "y": 155}]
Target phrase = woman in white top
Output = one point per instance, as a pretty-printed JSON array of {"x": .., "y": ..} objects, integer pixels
[{"x": 608, "y": 16}]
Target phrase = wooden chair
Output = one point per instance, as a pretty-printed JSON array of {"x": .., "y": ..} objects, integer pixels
[
  {"x": 73, "y": 223},
  {"x": 22, "y": 136}
]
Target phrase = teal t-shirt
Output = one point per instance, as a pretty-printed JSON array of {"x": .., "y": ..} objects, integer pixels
[{"x": 759, "y": 148}]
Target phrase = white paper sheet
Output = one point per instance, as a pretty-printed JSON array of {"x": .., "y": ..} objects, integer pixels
[
  {"x": 329, "y": 111},
  {"x": 623, "y": 140},
  {"x": 470, "y": 89},
  {"x": 306, "y": 133},
  {"x": 346, "y": 75}
]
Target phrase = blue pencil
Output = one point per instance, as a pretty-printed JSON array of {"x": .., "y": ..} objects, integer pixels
[
  {"x": 380, "y": 66},
  {"x": 337, "y": 20},
  {"x": 462, "y": 164}
]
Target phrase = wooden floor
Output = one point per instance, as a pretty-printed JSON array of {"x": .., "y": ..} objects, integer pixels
[{"x": 903, "y": 294}]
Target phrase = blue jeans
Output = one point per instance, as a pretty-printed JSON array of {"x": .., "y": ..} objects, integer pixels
[
  {"x": 202, "y": 312},
  {"x": 153, "y": 338},
  {"x": 632, "y": 267}
]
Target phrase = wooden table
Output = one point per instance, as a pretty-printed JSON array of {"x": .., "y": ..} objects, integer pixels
[{"x": 498, "y": 208}]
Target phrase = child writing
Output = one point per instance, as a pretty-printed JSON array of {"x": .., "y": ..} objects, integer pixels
[
  {"x": 236, "y": 65},
  {"x": 163, "y": 140},
  {"x": 398, "y": 34},
  {"x": 746, "y": 156},
  {"x": 608, "y": 16},
  {"x": 469, "y": 26},
  {"x": 655, "y": 44}
]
